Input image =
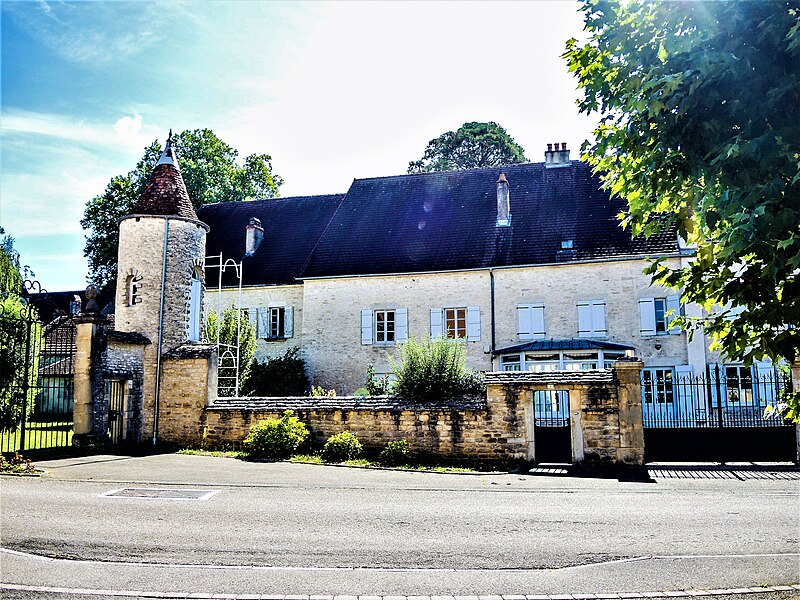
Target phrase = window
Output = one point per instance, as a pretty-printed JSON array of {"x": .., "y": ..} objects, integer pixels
[
  {"x": 658, "y": 386},
  {"x": 455, "y": 323},
  {"x": 275, "y": 322},
  {"x": 195, "y": 308},
  {"x": 530, "y": 321},
  {"x": 384, "y": 326},
  {"x": 653, "y": 314},
  {"x": 592, "y": 318},
  {"x": 566, "y": 244},
  {"x": 132, "y": 292},
  {"x": 739, "y": 384},
  {"x": 510, "y": 363}
]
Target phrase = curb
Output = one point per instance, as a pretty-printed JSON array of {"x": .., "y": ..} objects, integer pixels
[{"x": 212, "y": 596}]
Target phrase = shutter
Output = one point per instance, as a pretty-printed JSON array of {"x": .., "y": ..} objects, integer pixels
[
  {"x": 584, "y": 319},
  {"x": 599, "y": 318},
  {"x": 674, "y": 304},
  {"x": 473, "y": 323},
  {"x": 401, "y": 325},
  {"x": 647, "y": 315},
  {"x": 252, "y": 316},
  {"x": 288, "y": 322},
  {"x": 684, "y": 390},
  {"x": 263, "y": 322},
  {"x": 764, "y": 382},
  {"x": 366, "y": 326},
  {"x": 436, "y": 323},
  {"x": 524, "y": 325},
  {"x": 537, "y": 322}
]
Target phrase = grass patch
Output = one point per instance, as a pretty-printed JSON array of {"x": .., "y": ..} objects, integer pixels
[
  {"x": 39, "y": 435},
  {"x": 306, "y": 458},
  {"x": 215, "y": 453}
]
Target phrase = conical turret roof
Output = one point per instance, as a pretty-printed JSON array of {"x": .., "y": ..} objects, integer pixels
[{"x": 165, "y": 192}]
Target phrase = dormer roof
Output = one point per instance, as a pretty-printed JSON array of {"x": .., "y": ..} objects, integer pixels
[{"x": 165, "y": 192}]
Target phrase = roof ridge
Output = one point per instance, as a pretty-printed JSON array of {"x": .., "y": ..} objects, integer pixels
[
  {"x": 491, "y": 167},
  {"x": 268, "y": 200}
]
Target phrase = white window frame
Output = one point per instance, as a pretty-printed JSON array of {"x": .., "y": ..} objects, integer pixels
[
  {"x": 458, "y": 314},
  {"x": 370, "y": 330},
  {"x": 388, "y": 333},
  {"x": 592, "y": 318},
  {"x": 653, "y": 315},
  {"x": 276, "y": 326}
]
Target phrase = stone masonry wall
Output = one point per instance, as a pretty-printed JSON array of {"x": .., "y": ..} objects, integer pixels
[
  {"x": 253, "y": 298},
  {"x": 331, "y": 338},
  {"x": 184, "y": 395},
  {"x": 476, "y": 431}
]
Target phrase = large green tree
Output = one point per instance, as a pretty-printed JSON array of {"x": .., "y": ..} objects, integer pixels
[
  {"x": 471, "y": 146},
  {"x": 211, "y": 173},
  {"x": 700, "y": 130}
]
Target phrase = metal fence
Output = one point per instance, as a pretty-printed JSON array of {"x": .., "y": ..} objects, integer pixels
[
  {"x": 728, "y": 396},
  {"x": 36, "y": 378}
]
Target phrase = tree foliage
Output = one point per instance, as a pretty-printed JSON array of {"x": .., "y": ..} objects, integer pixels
[
  {"x": 211, "y": 173},
  {"x": 699, "y": 130},
  {"x": 237, "y": 338},
  {"x": 472, "y": 145}
]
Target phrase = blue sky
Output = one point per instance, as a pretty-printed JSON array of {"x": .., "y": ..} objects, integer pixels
[{"x": 333, "y": 91}]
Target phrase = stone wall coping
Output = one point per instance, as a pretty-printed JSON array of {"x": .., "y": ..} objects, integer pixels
[
  {"x": 372, "y": 403},
  {"x": 191, "y": 351},
  {"x": 551, "y": 377},
  {"x": 126, "y": 337}
]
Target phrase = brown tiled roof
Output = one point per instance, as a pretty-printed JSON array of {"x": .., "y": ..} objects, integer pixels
[{"x": 165, "y": 194}]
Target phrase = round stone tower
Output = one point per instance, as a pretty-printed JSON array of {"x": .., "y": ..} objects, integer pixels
[{"x": 160, "y": 266}]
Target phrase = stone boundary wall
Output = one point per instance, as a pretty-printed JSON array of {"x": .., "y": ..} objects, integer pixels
[{"x": 480, "y": 430}]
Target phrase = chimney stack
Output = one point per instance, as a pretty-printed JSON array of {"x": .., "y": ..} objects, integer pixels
[
  {"x": 555, "y": 157},
  {"x": 503, "y": 204},
  {"x": 253, "y": 237}
]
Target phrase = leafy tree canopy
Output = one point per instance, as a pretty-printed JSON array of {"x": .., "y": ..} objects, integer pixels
[
  {"x": 211, "y": 174},
  {"x": 472, "y": 145},
  {"x": 11, "y": 271},
  {"x": 699, "y": 129}
]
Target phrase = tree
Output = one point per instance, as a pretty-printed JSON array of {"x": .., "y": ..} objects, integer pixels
[
  {"x": 237, "y": 338},
  {"x": 699, "y": 131},
  {"x": 472, "y": 145},
  {"x": 18, "y": 323},
  {"x": 210, "y": 172}
]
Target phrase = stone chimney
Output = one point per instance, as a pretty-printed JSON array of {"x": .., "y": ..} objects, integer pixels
[
  {"x": 254, "y": 235},
  {"x": 555, "y": 156},
  {"x": 503, "y": 205}
]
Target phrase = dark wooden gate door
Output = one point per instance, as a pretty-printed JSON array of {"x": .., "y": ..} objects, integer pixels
[{"x": 551, "y": 428}]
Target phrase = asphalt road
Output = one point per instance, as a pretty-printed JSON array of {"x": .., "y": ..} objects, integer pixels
[{"x": 308, "y": 529}]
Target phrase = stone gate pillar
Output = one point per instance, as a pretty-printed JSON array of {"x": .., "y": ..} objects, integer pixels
[
  {"x": 631, "y": 428},
  {"x": 89, "y": 330}
]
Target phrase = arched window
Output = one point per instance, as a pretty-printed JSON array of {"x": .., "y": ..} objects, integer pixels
[{"x": 195, "y": 296}]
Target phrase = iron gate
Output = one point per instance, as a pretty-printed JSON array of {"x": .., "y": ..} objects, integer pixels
[
  {"x": 551, "y": 431},
  {"x": 115, "y": 392},
  {"x": 719, "y": 417},
  {"x": 36, "y": 377}
]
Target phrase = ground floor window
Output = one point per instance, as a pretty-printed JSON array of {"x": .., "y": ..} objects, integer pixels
[
  {"x": 658, "y": 386},
  {"x": 739, "y": 384}
]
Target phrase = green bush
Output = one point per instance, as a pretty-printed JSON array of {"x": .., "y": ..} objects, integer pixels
[
  {"x": 341, "y": 447},
  {"x": 435, "y": 372},
  {"x": 377, "y": 386},
  {"x": 395, "y": 454},
  {"x": 321, "y": 392},
  {"x": 276, "y": 438},
  {"x": 281, "y": 376}
]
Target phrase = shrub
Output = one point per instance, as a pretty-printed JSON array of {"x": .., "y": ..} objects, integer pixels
[
  {"x": 276, "y": 438},
  {"x": 319, "y": 391},
  {"x": 340, "y": 447},
  {"x": 16, "y": 464},
  {"x": 281, "y": 376},
  {"x": 377, "y": 386},
  {"x": 434, "y": 372},
  {"x": 395, "y": 454}
]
